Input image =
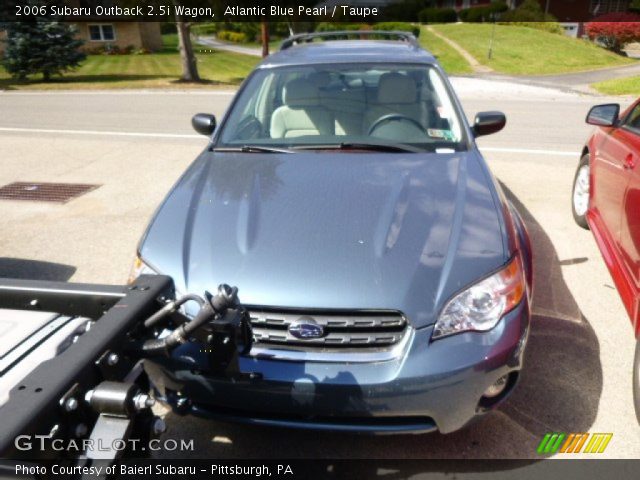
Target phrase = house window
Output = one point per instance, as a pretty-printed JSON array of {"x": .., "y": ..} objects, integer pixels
[{"x": 102, "y": 33}]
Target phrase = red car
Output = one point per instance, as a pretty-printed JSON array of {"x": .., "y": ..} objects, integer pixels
[{"x": 606, "y": 199}]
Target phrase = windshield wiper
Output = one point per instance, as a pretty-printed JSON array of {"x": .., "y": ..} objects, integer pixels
[
  {"x": 378, "y": 147},
  {"x": 253, "y": 149}
]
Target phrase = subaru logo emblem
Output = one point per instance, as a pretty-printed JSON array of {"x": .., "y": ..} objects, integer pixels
[{"x": 306, "y": 328}]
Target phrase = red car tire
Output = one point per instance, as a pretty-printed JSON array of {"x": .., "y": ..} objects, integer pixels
[{"x": 580, "y": 189}]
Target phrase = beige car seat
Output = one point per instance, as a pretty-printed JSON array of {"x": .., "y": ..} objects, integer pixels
[{"x": 302, "y": 114}]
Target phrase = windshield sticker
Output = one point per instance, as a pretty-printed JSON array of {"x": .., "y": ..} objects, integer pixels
[{"x": 444, "y": 134}]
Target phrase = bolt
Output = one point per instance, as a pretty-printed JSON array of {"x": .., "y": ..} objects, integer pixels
[
  {"x": 70, "y": 404},
  {"x": 54, "y": 430},
  {"x": 142, "y": 401},
  {"x": 88, "y": 395},
  {"x": 159, "y": 426},
  {"x": 182, "y": 403},
  {"x": 80, "y": 430},
  {"x": 34, "y": 303},
  {"x": 112, "y": 359}
]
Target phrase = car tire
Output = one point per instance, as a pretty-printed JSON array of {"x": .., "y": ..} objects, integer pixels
[
  {"x": 636, "y": 381},
  {"x": 580, "y": 193}
]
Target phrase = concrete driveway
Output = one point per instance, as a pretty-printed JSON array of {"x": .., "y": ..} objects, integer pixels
[{"x": 136, "y": 144}]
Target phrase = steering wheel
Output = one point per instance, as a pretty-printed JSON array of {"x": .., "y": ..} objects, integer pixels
[
  {"x": 392, "y": 117},
  {"x": 249, "y": 127}
]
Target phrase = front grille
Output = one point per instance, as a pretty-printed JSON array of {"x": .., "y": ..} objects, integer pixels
[{"x": 353, "y": 330}]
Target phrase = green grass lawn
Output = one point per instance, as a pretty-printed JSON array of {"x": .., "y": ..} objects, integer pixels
[
  {"x": 528, "y": 51},
  {"x": 160, "y": 69},
  {"x": 619, "y": 86},
  {"x": 449, "y": 58}
]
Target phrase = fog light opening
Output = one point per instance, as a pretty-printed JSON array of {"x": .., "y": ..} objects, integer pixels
[
  {"x": 497, "y": 387},
  {"x": 497, "y": 391}
]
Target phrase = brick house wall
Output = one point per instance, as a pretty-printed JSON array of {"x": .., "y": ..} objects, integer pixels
[
  {"x": 137, "y": 34},
  {"x": 140, "y": 35}
]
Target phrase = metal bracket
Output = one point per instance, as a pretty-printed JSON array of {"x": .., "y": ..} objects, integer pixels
[{"x": 107, "y": 436}]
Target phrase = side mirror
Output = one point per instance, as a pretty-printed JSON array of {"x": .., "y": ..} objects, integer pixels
[
  {"x": 604, "y": 115},
  {"x": 204, "y": 123},
  {"x": 487, "y": 123}
]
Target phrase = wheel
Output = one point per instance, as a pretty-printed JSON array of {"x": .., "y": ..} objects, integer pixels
[
  {"x": 580, "y": 193},
  {"x": 636, "y": 381}
]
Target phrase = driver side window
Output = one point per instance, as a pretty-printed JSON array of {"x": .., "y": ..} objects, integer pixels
[{"x": 632, "y": 121}]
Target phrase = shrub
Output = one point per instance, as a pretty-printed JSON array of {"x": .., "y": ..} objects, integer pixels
[
  {"x": 438, "y": 15},
  {"x": 483, "y": 14},
  {"x": 235, "y": 37},
  {"x": 407, "y": 10},
  {"x": 614, "y": 30},
  {"x": 207, "y": 28},
  {"x": 398, "y": 26},
  {"x": 336, "y": 26},
  {"x": 528, "y": 11}
]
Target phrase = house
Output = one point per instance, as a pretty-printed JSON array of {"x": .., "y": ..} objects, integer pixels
[
  {"x": 108, "y": 33},
  {"x": 103, "y": 32},
  {"x": 112, "y": 33},
  {"x": 463, "y": 4},
  {"x": 564, "y": 10}
]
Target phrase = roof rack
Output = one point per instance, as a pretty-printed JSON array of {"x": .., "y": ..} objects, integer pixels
[{"x": 345, "y": 34}]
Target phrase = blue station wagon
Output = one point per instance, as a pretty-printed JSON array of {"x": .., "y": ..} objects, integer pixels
[{"x": 387, "y": 277}]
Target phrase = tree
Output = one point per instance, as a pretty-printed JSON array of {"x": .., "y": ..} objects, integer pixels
[
  {"x": 41, "y": 46},
  {"x": 187, "y": 55},
  {"x": 264, "y": 37},
  {"x": 614, "y": 30}
]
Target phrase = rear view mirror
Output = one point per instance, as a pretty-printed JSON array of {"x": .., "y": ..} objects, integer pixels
[
  {"x": 487, "y": 123},
  {"x": 604, "y": 115},
  {"x": 203, "y": 123}
]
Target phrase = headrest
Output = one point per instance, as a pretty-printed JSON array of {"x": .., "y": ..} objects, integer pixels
[
  {"x": 397, "y": 88},
  {"x": 300, "y": 93}
]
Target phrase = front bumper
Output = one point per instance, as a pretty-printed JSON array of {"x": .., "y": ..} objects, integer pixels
[{"x": 432, "y": 386}]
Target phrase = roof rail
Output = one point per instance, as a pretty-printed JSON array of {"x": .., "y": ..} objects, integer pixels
[{"x": 345, "y": 34}]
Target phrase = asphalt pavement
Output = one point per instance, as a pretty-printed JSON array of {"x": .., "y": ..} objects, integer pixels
[{"x": 135, "y": 145}]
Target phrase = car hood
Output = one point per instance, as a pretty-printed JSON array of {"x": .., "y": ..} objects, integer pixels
[{"x": 331, "y": 230}]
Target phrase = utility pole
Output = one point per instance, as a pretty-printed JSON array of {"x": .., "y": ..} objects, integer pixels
[
  {"x": 493, "y": 34},
  {"x": 546, "y": 9}
]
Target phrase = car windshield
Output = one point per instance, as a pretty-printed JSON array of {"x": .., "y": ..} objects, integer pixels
[{"x": 364, "y": 106}]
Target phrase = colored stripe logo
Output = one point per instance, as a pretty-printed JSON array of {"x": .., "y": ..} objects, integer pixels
[{"x": 574, "y": 443}]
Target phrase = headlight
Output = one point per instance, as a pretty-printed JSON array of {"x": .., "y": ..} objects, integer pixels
[
  {"x": 139, "y": 268},
  {"x": 481, "y": 306}
]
